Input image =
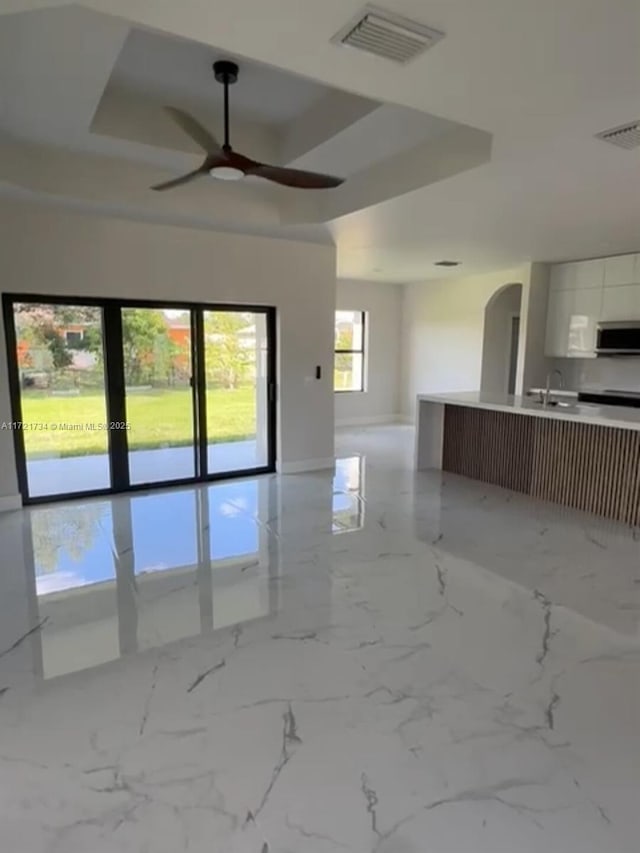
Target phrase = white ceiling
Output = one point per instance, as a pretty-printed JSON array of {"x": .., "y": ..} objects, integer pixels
[
  {"x": 541, "y": 77},
  {"x": 368, "y": 141},
  {"x": 177, "y": 69}
]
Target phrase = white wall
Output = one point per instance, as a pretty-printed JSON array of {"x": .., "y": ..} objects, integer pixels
[
  {"x": 442, "y": 332},
  {"x": 48, "y": 252},
  {"x": 380, "y": 402},
  {"x": 533, "y": 365},
  {"x": 497, "y": 337}
]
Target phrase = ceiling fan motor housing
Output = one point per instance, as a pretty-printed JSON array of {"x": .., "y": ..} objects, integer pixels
[{"x": 225, "y": 72}]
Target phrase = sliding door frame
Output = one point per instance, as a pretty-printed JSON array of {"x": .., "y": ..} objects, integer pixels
[
  {"x": 115, "y": 396},
  {"x": 14, "y": 394},
  {"x": 115, "y": 390}
]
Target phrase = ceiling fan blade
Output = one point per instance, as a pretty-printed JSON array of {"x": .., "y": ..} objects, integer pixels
[
  {"x": 195, "y": 130},
  {"x": 183, "y": 179},
  {"x": 295, "y": 177}
]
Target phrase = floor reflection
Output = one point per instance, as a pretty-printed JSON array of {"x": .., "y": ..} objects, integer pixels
[
  {"x": 348, "y": 495},
  {"x": 112, "y": 577},
  {"x": 69, "y": 548},
  {"x": 77, "y": 545}
]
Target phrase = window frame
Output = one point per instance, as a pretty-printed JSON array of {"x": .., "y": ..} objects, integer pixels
[{"x": 361, "y": 352}]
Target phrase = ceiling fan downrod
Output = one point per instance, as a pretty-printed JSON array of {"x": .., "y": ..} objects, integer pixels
[{"x": 226, "y": 72}]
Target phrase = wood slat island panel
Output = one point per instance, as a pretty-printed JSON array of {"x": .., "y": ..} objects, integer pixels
[{"x": 585, "y": 466}]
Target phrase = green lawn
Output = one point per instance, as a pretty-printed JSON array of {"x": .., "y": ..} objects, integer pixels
[{"x": 157, "y": 419}]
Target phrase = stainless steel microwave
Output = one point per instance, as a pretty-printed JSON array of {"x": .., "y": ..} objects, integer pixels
[{"x": 621, "y": 338}]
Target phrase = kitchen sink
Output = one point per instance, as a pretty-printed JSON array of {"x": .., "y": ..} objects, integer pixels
[
  {"x": 564, "y": 405},
  {"x": 550, "y": 404}
]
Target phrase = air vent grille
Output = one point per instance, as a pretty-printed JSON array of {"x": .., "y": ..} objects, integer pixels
[
  {"x": 626, "y": 136},
  {"x": 388, "y": 35}
]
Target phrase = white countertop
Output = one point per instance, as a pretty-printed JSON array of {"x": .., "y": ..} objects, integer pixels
[{"x": 612, "y": 416}]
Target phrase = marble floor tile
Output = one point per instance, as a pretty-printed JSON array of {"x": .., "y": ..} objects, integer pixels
[{"x": 376, "y": 661}]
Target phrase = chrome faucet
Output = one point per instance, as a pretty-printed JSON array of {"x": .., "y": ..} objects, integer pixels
[{"x": 547, "y": 393}]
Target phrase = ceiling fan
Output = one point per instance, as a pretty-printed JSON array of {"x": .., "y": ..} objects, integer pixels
[{"x": 223, "y": 162}]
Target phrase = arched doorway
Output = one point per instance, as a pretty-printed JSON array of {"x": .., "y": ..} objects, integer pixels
[{"x": 501, "y": 341}]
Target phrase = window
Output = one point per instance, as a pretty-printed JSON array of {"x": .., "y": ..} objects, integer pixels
[
  {"x": 74, "y": 339},
  {"x": 348, "y": 374}
]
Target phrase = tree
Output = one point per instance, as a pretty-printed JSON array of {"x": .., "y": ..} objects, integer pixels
[
  {"x": 343, "y": 364},
  {"x": 71, "y": 530},
  {"x": 344, "y": 339},
  {"x": 39, "y": 326},
  {"x": 56, "y": 315},
  {"x": 92, "y": 342},
  {"x": 227, "y": 359},
  {"x": 145, "y": 344},
  {"x": 60, "y": 355}
]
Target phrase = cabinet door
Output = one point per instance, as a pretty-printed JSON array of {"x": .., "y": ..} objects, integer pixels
[
  {"x": 584, "y": 314},
  {"x": 589, "y": 274},
  {"x": 620, "y": 271},
  {"x": 572, "y": 321},
  {"x": 562, "y": 277},
  {"x": 621, "y": 303},
  {"x": 558, "y": 318}
]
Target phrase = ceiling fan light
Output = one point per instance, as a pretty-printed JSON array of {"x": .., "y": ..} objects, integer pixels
[{"x": 226, "y": 173}]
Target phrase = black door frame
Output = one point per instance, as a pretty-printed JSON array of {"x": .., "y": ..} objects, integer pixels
[{"x": 115, "y": 390}]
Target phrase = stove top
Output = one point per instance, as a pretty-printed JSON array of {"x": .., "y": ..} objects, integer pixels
[
  {"x": 611, "y": 397},
  {"x": 621, "y": 393}
]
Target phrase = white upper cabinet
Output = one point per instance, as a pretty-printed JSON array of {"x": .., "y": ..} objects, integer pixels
[
  {"x": 583, "y": 322},
  {"x": 582, "y": 275},
  {"x": 621, "y": 303},
  {"x": 562, "y": 277},
  {"x": 557, "y": 337},
  {"x": 572, "y": 322},
  {"x": 622, "y": 271},
  {"x": 584, "y": 293},
  {"x": 589, "y": 274}
]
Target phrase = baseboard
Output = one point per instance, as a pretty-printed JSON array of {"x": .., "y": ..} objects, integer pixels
[
  {"x": 370, "y": 420},
  {"x": 306, "y": 465},
  {"x": 10, "y": 503},
  {"x": 406, "y": 419}
]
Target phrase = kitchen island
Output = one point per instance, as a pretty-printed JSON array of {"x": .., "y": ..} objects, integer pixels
[{"x": 578, "y": 455}]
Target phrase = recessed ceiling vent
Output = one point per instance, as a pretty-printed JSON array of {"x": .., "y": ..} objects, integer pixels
[
  {"x": 626, "y": 136},
  {"x": 388, "y": 35}
]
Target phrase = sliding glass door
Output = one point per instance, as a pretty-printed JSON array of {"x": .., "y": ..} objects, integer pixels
[
  {"x": 109, "y": 396},
  {"x": 59, "y": 358},
  {"x": 156, "y": 345},
  {"x": 236, "y": 354}
]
